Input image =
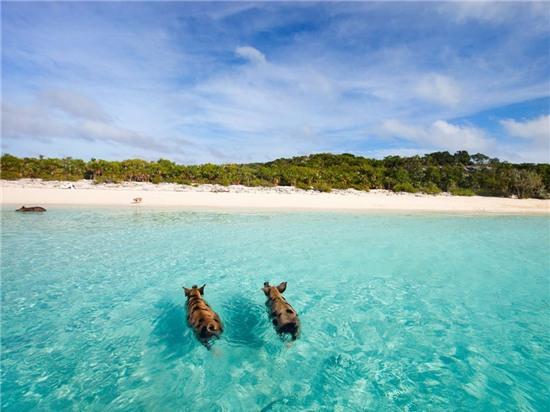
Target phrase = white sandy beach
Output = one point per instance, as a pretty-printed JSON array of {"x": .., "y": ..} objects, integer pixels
[{"x": 34, "y": 192}]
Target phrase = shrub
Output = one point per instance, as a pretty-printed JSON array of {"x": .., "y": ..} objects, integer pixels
[
  {"x": 9, "y": 175},
  {"x": 303, "y": 186},
  {"x": 527, "y": 184},
  {"x": 430, "y": 189},
  {"x": 405, "y": 187},
  {"x": 429, "y": 174},
  {"x": 364, "y": 188},
  {"x": 258, "y": 182},
  {"x": 460, "y": 191},
  {"x": 322, "y": 187}
]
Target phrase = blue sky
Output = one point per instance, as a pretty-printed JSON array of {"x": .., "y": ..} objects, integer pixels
[{"x": 244, "y": 82}]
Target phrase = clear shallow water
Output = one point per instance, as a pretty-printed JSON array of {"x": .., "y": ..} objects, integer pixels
[{"x": 398, "y": 312}]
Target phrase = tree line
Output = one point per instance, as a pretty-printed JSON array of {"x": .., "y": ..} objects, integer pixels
[{"x": 459, "y": 173}]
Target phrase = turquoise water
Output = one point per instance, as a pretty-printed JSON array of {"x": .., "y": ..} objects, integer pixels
[{"x": 418, "y": 312}]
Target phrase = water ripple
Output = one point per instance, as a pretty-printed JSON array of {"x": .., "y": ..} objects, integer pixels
[{"x": 398, "y": 312}]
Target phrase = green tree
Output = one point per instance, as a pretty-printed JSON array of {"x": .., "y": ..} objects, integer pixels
[
  {"x": 526, "y": 183},
  {"x": 459, "y": 173}
]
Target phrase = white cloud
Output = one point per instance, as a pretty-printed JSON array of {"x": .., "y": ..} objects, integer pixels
[
  {"x": 489, "y": 11},
  {"x": 533, "y": 143},
  {"x": 537, "y": 129},
  {"x": 166, "y": 74},
  {"x": 74, "y": 104},
  {"x": 439, "y": 89},
  {"x": 251, "y": 54},
  {"x": 441, "y": 135},
  {"x": 23, "y": 122},
  {"x": 479, "y": 10},
  {"x": 52, "y": 116}
]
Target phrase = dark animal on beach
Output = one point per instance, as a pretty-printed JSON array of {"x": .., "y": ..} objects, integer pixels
[
  {"x": 205, "y": 322},
  {"x": 31, "y": 209},
  {"x": 284, "y": 317}
]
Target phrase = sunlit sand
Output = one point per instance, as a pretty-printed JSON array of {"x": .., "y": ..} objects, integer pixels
[{"x": 35, "y": 192}]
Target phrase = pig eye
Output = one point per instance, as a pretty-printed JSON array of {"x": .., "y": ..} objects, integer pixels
[{"x": 289, "y": 311}]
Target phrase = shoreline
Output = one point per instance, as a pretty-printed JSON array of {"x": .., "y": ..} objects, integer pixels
[{"x": 35, "y": 192}]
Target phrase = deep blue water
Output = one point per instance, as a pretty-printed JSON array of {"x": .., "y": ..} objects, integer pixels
[{"x": 399, "y": 312}]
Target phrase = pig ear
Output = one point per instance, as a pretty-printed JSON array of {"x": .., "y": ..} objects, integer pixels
[
  {"x": 186, "y": 291},
  {"x": 201, "y": 289},
  {"x": 282, "y": 287}
]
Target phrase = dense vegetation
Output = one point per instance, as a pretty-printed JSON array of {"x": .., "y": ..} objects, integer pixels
[{"x": 461, "y": 173}]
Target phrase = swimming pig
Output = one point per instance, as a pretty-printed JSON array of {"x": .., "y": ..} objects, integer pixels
[
  {"x": 31, "y": 209},
  {"x": 284, "y": 317},
  {"x": 205, "y": 322}
]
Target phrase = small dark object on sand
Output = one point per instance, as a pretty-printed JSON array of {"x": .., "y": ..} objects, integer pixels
[{"x": 31, "y": 209}]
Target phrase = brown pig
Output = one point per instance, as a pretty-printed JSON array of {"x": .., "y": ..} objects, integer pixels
[
  {"x": 284, "y": 317},
  {"x": 205, "y": 322}
]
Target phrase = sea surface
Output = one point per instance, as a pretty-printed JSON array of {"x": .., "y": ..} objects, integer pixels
[{"x": 399, "y": 312}]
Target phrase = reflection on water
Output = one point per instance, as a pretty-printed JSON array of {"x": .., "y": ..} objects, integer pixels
[
  {"x": 170, "y": 331},
  {"x": 245, "y": 322}
]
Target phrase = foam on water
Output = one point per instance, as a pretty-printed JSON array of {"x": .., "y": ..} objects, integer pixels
[{"x": 419, "y": 312}]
